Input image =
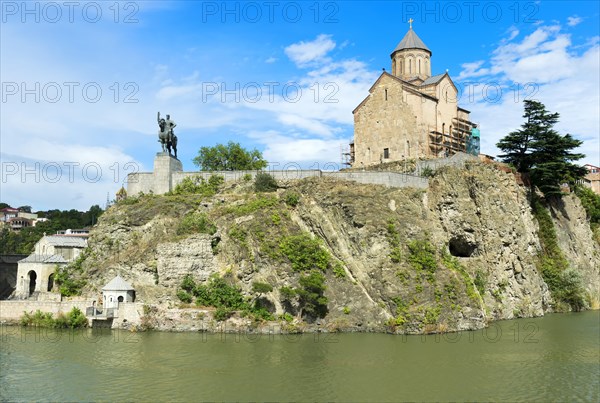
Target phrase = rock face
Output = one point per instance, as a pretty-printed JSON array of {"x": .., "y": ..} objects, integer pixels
[{"x": 451, "y": 258}]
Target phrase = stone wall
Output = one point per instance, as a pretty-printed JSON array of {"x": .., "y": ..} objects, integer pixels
[
  {"x": 162, "y": 183},
  {"x": 11, "y": 311}
]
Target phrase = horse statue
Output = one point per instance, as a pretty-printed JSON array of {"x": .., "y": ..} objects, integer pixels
[{"x": 166, "y": 137}]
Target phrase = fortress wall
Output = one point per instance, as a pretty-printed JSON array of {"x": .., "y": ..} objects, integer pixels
[{"x": 168, "y": 174}]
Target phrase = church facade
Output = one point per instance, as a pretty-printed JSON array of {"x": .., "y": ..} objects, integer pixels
[{"x": 410, "y": 113}]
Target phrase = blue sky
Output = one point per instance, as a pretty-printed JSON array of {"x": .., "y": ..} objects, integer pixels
[{"x": 81, "y": 83}]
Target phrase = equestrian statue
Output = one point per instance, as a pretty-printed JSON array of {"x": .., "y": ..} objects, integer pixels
[{"x": 166, "y": 136}]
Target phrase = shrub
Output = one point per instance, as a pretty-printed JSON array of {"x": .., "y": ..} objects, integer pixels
[
  {"x": 184, "y": 296},
  {"x": 304, "y": 253},
  {"x": 428, "y": 172},
  {"x": 197, "y": 185},
  {"x": 261, "y": 288},
  {"x": 218, "y": 293},
  {"x": 223, "y": 313},
  {"x": 312, "y": 300},
  {"x": 338, "y": 270},
  {"x": 394, "y": 240},
  {"x": 287, "y": 293},
  {"x": 247, "y": 177},
  {"x": 76, "y": 318},
  {"x": 292, "y": 199},
  {"x": 188, "y": 283},
  {"x": 265, "y": 182}
]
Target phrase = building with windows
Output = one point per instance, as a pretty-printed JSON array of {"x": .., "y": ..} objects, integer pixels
[
  {"x": 35, "y": 273},
  {"x": 592, "y": 179},
  {"x": 411, "y": 114}
]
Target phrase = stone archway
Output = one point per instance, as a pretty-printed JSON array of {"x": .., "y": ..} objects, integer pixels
[
  {"x": 32, "y": 281},
  {"x": 50, "y": 282}
]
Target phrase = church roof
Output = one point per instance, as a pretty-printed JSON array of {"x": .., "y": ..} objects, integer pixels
[
  {"x": 66, "y": 241},
  {"x": 118, "y": 284},
  {"x": 433, "y": 79},
  {"x": 411, "y": 41},
  {"x": 36, "y": 258}
]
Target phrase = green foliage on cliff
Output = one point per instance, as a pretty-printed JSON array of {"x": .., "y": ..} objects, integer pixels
[
  {"x": 305, "y": 253},
  {"x": 591, "y": 203},
  {"x": 422, "y": 257},
  {"x": 393, "y": 237},
  {"x": 195, "y": 222},
  {"x": 565, "y": 284},
  {"x": 68, "y": 278},
  {"x": 310, "y": 292}
]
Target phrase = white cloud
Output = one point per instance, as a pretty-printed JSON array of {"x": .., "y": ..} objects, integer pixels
[
  {"x": 544, "y": 66},
  {"x": 574, "y": 20},
  {"x": 271, "y": 60},
  {"x": 304, "y": 53}
]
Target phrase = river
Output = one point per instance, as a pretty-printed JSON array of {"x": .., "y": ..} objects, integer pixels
[{"x": 554, "y": 358}]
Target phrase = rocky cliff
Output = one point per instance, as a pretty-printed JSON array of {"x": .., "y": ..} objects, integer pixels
[{"x": 453, "y": 257}]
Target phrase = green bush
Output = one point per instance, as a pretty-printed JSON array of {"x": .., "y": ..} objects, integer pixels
[
  {"x": 184, "y": 296},
  {"x": 218, "y": 293},
  {"x": 261, "y": 288},
  {"x": 265, "y": 182},
  {"x": 75, "y": 318},
  {"x": 292, "y": 199},
  {"x": 223, "y": 313},
  {"x": 312, "y": 300},
  {"x": 188, "y": 284},
  {"x": 304, "y": 253},
  {"x": 338, "y": 270}
]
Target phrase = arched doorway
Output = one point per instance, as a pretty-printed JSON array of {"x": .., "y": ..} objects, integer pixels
[
  {"x": 50, "y": 282},
  {"x": 120, "y": 299},
  {"x": 32, "y": 281}
]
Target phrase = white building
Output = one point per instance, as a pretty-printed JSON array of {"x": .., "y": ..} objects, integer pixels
[
  {"x": 116, "y": 291},
  {"x": 35, "y": 273}
]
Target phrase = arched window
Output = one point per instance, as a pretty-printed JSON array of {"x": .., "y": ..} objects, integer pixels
[
  {"x": 401, "y": 67},
  {"x": 50, "y": 282},
  {"x": 120, "y": 299},
  {"x": 386, "y": 94},
  {"x": 443, "y": 127},
  {"x": 419, "y": 66},
  {"x": 394, "y": 67},
  {"x": 409, "y": 66}
]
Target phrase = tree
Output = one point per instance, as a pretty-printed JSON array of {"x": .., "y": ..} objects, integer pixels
[
  {"x": 541, "y": 151},
  {"x": 25, "y": 209},
  {"x": 230, "y": 157}
]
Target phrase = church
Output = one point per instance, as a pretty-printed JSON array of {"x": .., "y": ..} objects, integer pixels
[{"x": 411, "y": 114}]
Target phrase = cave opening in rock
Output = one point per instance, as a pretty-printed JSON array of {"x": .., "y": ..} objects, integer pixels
[{"x": 460, "y": 247}]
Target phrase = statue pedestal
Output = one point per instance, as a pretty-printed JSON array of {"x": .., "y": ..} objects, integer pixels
[{"x": 164, "y": 166}]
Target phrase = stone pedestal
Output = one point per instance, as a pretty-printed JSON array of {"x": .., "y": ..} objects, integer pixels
[{"x": 164, "y": 166}]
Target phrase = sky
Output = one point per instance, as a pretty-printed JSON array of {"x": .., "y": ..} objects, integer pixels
[{"x": 82, "y": 81}]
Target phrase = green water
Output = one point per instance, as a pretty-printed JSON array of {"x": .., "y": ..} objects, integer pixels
[{"x": 555, "y": 358}]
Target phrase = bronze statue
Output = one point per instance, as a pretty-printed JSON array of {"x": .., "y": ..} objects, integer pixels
[{"x": 166, "y": 136}]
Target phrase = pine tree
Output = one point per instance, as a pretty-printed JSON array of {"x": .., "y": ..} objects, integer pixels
[{"x": 540, "y": 150}]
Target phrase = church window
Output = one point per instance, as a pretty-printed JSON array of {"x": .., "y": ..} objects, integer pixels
[
  {"x": 443, "y": 127},
  {"x": 401, "y": 67},
  {"x": 409, "y": 66},
  {"x": 386, "y": 94},
  {"x": 419, "y": 66},
  {"x": 386, "y": 153}
]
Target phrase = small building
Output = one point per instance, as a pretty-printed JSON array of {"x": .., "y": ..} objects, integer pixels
[
  {"x": 116, "y": 291},
  {"x": 35, "y": 273},
  {"x": 592, "y": 179}
]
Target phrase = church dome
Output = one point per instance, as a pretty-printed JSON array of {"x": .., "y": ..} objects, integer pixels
[{"x": 411, "y": 41}]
